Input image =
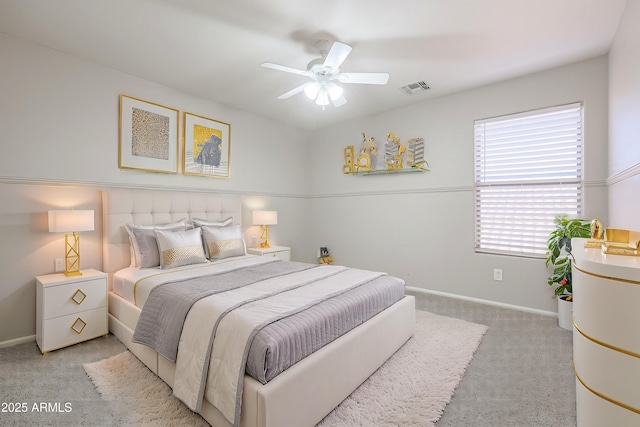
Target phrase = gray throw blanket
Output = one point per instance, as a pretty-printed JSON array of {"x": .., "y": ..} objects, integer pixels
[{"x": 162, "y": 317}]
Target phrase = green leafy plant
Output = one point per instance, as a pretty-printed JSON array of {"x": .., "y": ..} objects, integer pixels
[{"x": 559, "y": 251}]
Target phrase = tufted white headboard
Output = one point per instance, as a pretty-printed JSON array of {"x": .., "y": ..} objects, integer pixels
[{"x": 148, "y": 207}]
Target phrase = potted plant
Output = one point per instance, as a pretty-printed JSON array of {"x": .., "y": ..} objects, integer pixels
[{"x": 559, "y": 257}]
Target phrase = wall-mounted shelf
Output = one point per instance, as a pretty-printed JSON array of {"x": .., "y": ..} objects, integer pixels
[
  {"x": 387, "y": 171},
  {"x": 398, "y": 158}
]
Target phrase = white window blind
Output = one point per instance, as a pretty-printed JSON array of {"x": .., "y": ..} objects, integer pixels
[{"x": 528, "y": 169}]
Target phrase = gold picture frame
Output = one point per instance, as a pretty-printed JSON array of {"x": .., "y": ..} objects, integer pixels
[
  {"x": 148, "y": 136},
  {"x": 207, "y": 146}
]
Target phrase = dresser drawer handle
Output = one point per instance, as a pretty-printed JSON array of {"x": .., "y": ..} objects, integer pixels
[
  {"x": 78, "y": 325},
  {"x": 79, "y": 297}
]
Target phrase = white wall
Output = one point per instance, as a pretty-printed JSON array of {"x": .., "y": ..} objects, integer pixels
[
  {"x": 59, "y": 139},
  {"x": 420, "y": 226},
  {"x": 59, "y": 145},
  {"x": 59, "y": 121},
  {"x": 624, "y": 122}
]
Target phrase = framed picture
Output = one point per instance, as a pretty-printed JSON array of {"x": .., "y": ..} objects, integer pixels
[
  {"x": 206, "y": 146},
  {"x": 148, "y": 136}
]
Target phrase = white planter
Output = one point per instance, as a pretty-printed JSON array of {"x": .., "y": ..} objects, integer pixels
[{"x": 565, "y": 314}]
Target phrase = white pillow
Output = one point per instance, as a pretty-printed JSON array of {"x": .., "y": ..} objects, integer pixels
[
  {"x": 224, "y": 242},
  {"x": 180, "y": 248},
  {"x": 144, "y": 247},
  {"x": 197, "y": 222}
]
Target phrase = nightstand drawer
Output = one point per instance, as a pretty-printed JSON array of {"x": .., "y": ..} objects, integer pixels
[
  {"x": 74, "y": 328},
  {"x": 280, "y": 252},
  {"x": 74, "y": 297},
  {"x": 283, "y": 255}
]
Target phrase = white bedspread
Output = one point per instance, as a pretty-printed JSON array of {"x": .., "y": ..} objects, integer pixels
[{"x": 218, "y": 331}]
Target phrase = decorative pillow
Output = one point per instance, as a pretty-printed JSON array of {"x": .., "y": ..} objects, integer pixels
[
  {"x": 224, "y": 242},
  {"x": 144, "y": 252},
  {"x": 197, "y": 222},
  {"x": 180, "y": 247}
]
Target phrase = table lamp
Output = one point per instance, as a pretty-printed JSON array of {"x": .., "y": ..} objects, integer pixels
[
  {"x": 264, "y": 219},
  {"x": 65, "y": 221}
]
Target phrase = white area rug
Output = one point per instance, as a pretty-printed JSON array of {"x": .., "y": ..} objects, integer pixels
[{"x": 411, "y": 389}]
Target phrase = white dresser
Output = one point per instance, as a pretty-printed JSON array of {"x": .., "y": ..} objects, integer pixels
[
  {"x": 70, "y": 309},
  {"x": 281, "y": 252},
  {"x": 606, "y": 337}
]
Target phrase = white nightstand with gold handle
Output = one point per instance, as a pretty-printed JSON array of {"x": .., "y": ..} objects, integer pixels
[
  {"x": 280, "y": 252},
  {"x": 70, "y": 309}
]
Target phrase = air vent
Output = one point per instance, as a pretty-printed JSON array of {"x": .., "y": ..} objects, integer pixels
[{"x": 414, "y": 88}]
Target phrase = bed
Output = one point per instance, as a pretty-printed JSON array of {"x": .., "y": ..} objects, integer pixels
[{"x": 302, "y": 394}]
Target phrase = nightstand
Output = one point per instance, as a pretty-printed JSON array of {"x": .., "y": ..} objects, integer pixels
[
  {"x": 281, "y": 252},
  {"x": 70, "y": 309}
]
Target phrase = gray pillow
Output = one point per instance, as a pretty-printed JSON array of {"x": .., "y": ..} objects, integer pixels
[
  {"x": 199, "y": 223},
  {"x": 224, "y": 242},
  {"x": 145, "y": 246}
]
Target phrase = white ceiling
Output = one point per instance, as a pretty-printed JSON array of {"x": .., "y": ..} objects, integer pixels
[{"x": 214, "y": 48}]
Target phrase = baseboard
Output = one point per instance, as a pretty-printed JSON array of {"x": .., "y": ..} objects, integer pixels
[
  {"x": 484, "y": 301},
  {"x": 11, "y": 343}
]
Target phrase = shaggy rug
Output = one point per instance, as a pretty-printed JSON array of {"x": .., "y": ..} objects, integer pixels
[{"x": 411, "y": 389}]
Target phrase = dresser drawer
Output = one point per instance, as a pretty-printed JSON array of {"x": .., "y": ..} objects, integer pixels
[
  {"x": 73, "y": 328},
  {"x": 74, "y": 297}
]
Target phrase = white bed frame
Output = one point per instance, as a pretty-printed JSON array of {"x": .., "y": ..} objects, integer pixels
[{"x": 300, "y": 396}]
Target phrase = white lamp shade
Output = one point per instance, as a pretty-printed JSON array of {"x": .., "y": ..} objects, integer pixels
[
  {"x": 70, "y": 221},
  {"x": 265, "y": 217}
]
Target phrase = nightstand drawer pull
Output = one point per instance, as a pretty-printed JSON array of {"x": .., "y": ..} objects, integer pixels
[
  {"x": 79, "y": 297},
  {"x": 78, "y": 325}
]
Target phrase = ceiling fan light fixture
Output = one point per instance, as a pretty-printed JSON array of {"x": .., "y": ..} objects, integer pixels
[
  {"x": 335, "y": 91},
  {"x": 323, "y": 72},
  {"x": 323, "y": 97},
  {"x": 311, "y": 90}
]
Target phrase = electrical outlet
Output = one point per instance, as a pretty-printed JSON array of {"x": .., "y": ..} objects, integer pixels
[
  {"x": 497, "y": 274},
  {"x": 59, "y": 264}
]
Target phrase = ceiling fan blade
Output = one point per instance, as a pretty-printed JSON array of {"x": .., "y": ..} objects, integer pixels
[
  {"x": 294, "y": 91},
  {"x": 339, "y": 102},
  {"x": 337, "y": 54},
  {"x": 284, "y": 68},
  {"x": 364, "y": 78}
]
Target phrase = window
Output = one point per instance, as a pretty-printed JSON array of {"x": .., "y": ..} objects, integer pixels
[{"x": 528, "y": 169}]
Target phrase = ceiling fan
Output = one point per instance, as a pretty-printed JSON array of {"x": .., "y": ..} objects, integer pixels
[{"x": 324, "y": 72}]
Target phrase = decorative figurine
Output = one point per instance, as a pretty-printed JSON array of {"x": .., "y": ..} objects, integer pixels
[
  {"x": 597, "y": 235},
  {"x": 597, "y": 232},
  {"x": 415, "y": 154},
  {"x": 394, "y": 152},
  {"x": 349, "y": 166},
  {"x": 325, "y": 257},
  {"x": 368, "y": 151}
]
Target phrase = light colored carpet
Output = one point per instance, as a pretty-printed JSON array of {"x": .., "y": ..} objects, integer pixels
[
  {"x": 411, "y": 389},
  {"x": 143, "y": 398}
]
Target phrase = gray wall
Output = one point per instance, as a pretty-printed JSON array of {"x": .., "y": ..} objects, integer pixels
[
  {"x": 59, "y": 121},
  {"x": 59, "y": 142},
  {"x": 420, "y": 226},
  {"x": 624, "y": 122}
]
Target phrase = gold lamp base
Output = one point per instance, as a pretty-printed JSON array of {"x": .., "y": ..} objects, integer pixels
[
  {"x": 72, "y": 255},
  {"x": 264, "y": 235}
]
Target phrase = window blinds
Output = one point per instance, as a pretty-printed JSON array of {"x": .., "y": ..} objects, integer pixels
[{"x": 528, "y": 169}]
